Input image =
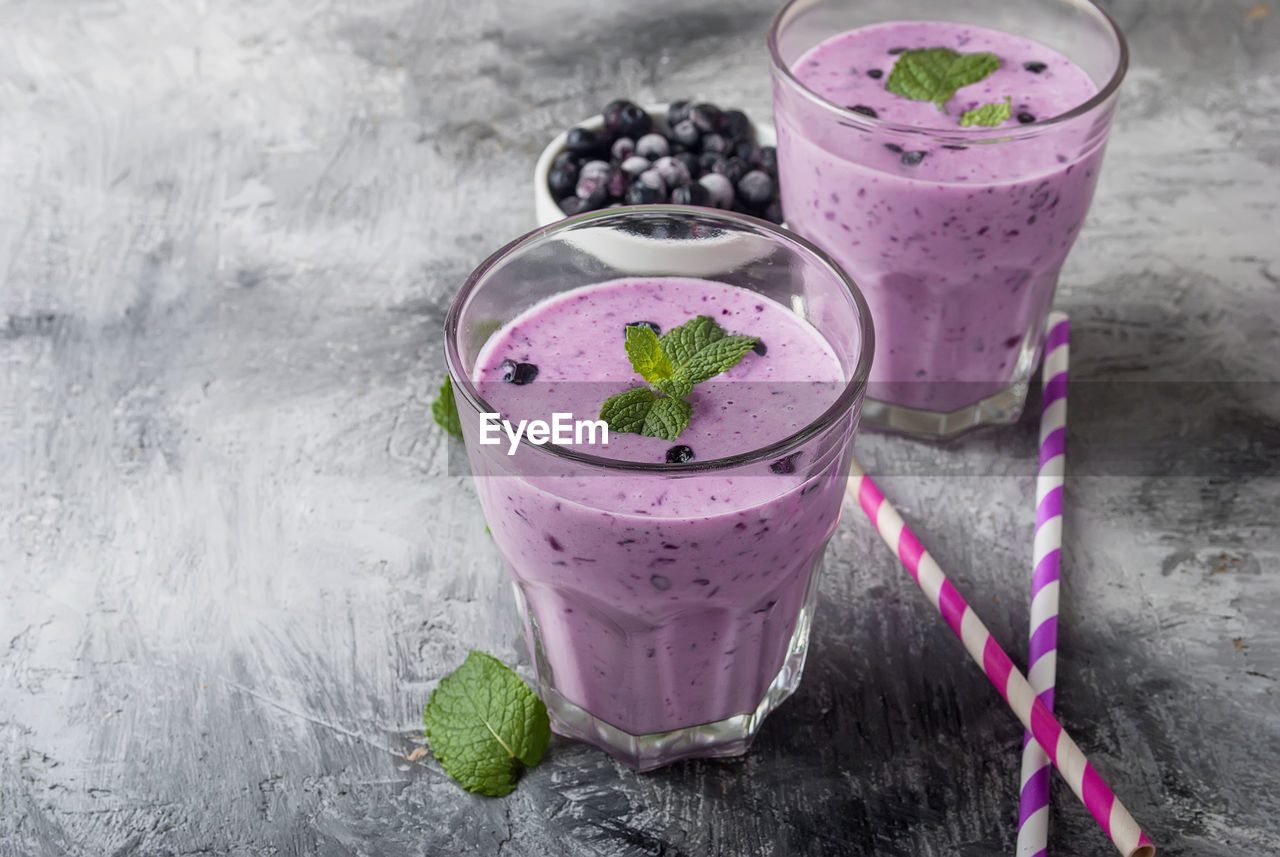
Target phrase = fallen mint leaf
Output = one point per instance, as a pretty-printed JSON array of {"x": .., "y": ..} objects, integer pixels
[
  {"x": 445, "y": 409},
  {"x": 485, "y": 724}
]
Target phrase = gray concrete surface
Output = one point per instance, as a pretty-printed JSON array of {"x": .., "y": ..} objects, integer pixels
[{"x": 234, "y": 558}]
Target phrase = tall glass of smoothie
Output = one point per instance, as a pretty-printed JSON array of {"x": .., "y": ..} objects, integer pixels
[
  {"x": 945, "y": 152},
  {"x": 666, "y": 583}
]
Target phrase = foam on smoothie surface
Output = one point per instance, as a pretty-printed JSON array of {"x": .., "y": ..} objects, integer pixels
[{"x": 576, "y": 340}]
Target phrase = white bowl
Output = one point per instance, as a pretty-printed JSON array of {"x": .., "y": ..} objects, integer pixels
[{"x": 546, "y": 207}]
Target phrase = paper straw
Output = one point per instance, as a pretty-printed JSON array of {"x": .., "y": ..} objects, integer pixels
[
  {"x": 1042, "y": 649},
  {"x": 1012, "y": 684}
]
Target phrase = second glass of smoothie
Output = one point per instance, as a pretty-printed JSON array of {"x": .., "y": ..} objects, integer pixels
[
  {"x": 667, "y": 585},
  {"x": 955, "y": 232}
]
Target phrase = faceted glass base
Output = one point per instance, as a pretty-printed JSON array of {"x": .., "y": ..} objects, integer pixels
[
  {"x": 1003, "y": 408},
  {"x": 729, "y": 737}
]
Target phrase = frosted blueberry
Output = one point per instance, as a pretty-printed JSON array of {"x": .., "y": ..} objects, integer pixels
[
  {"x": 635, "y": 165},
  {"x": 653, "y": 146},
  {"x": 643, "y": 194},
  {"x": 686, "y": 133},
  {"x": 690, "y": 194},
  {"x": 673, "y": 171},
  {"x": 652, "y": 178},
  {"x": 623, "y": 148},
  {"x": 755, "y": 189},
  {"x": 719, "y": 190}
]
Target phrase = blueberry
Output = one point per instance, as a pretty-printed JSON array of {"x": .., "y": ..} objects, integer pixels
[
  {"x": 660, "y": 582},
  {"x": 623, "y": 148},
  {"x": 707, "y": 161},
  {"x": 719, "y": 190},
  {"x": 690, "y": 161},
  {"x": 612, "y": 114},
  {"x": 563, "y": 180},
  {"x": 717, "y": 143},
  {"x": 657, "y": 331},
  {"x": 591, "y": 183},
  {"x": 1034, "y": 67},
  {"x": 747, "y": 151},
  {"x": 582, "y": 141},
  {"x": 653, "y": 146},
  {"x": 875, "y": 73},
  {"x": 735, "y": 125},
  {"x": 785, "y": 465},
  {"x": 618, "y": 184},
  {"x": 731, "y": 168},
  {"x": 773, "y": 212},
  {"x": 677, "y": 112},
  {"x": 572, "y": 205},
  {"x": 769, "y": 159},
  {"x": 760, "y": 348},
  {"x": 912, "y": 159},
  {"x": 1026, "y": 118},
  {"x": 865, "y": 110},
  {"x": 707, "y": 117},
  {"x": 634, "y": 122},
  {"x": 635, "y": 165},
  {"x": 518, "y": 373},
  {"x": 596, "y": 169},
  {"x": 686, "y": 134},
  {"x": 643, "y": 194},
  {"x": 690, "y": 194},
  {"x": 755, "y": 188},
  {"x": 679, "y": 455},
  {"x": 893, "y": 147},
  {"x": 652, "y": 178},
  {"x": 674, "y": 173},
  {"x": 566, "y": 159}
]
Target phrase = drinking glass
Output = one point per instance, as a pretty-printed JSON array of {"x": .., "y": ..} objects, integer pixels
[
  {"x": 955, "y": 236},
  {"x": 662, "y": 636}
]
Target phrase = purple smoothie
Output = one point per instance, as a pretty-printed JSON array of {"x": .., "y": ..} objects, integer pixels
[
  {"x": 958, "y": 253},
  {"x": 653, "y": 602}
]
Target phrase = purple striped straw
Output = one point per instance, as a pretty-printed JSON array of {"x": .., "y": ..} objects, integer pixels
[
  {"x": 1065, "y": 754},
  {"x": 1042, "y": 659}
]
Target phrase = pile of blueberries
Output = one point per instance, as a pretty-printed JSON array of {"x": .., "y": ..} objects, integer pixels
[{"x": 707, "y": 157}]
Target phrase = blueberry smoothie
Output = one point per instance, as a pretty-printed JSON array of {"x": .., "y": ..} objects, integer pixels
[
  {"x": 955, "y": 233},
  {"x": 653, "y": 602}
]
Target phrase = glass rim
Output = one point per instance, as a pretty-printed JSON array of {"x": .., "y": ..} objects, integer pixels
[
  {"x": 782, "y": 72},
  {"x": 843, "y": 404}
]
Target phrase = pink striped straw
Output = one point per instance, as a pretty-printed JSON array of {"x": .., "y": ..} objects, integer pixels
[
  {"x": 1012, "y": 684},
  {"x": 1042, "y": 660}
]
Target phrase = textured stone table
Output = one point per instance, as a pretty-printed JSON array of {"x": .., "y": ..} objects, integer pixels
[{"x": 235, "y": 560}]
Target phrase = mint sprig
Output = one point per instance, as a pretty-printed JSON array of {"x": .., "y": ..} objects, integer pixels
[
  {"x": 934, "y": 74},
  {"x": 672, "y": 363},
  {"x": 445, "y": 409},
  {"x": 989, "y": 115},
  {"x": 484, "y": 724}
]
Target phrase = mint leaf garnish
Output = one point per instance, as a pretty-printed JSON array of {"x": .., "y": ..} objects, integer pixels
[
  {"x": 445, "y": 409},
  {"x": 483, "y": 723},
  {"x": 672, "y": 364},
  {"x": 701, "y": 349},
  {"x": 642, "y": 411},
  {"x": 645, "y": 352},
  {"x": 990, "y": 115},
  {"x": 934, "y": 74}
]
